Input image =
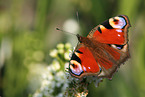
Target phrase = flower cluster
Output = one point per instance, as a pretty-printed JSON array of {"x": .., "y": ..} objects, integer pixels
[{"x": 54, "y": 81}]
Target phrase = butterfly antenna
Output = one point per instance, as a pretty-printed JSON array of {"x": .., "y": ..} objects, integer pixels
[
  {"x": 65, "y": 31},
  {"x": 77, "y": 14}
]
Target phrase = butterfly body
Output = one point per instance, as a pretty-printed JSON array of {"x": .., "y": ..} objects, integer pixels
[{"x": 103, "y": 50}]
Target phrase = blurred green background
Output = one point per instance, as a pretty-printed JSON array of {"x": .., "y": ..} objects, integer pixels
[{"x": 27, "y": 33}]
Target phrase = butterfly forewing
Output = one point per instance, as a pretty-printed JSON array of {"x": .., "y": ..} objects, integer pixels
[{"x": 112, "y": 31}]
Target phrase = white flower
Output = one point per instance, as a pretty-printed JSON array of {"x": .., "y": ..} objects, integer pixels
[
  {"x": 66, "y": 66},
  {"x": 60, "y": 46},
  {"x": 53, "y": 53},
  {"x": 61, "y": 51},
  {"x": 60, "y": 74},
  {"x": 66, "y": 56},
  {"x": 45, "y": 82},
  {"x": 60, "y": 95},
  {"x": 55, "y": 65},
  {"x": 67, "y": 45}
]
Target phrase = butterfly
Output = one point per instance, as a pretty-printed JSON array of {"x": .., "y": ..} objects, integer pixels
[{"x": 103, "y": 51}]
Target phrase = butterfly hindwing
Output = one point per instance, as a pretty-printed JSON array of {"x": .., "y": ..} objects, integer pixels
[{"x": 111, "y": 58}]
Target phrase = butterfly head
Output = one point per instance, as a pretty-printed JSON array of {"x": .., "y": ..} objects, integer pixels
[{"x": 80, "y": 38}]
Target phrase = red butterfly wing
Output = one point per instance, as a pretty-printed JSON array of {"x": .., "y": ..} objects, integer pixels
[
  {"x": 112, "y": 31},
  {"x": 83, "y": 62}
]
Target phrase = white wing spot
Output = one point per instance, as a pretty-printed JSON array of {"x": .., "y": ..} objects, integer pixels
[
  {"x": 118, "y": 30},
  {"x": 119, "y": 35}
]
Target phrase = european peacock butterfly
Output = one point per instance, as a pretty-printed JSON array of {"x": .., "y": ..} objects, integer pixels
[{"x": 103, "y": 50}]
